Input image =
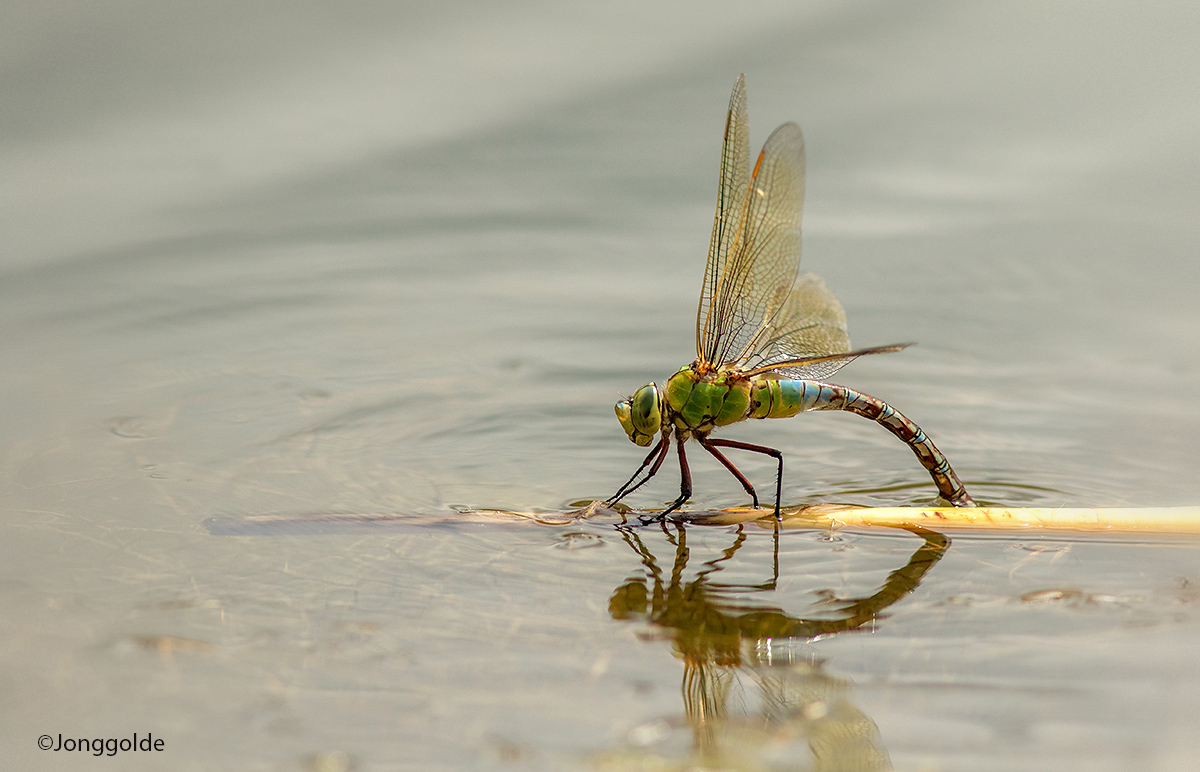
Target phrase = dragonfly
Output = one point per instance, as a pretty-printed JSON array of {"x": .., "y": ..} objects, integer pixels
[{"x": 767, "y": 336}]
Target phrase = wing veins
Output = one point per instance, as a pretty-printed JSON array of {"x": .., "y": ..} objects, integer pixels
[
  {"x": 841, "y": 359},
  {"x": 755, "y": 252}
]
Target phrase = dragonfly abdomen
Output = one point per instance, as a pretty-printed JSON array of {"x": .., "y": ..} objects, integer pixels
[{"x": 796, "y": 396}]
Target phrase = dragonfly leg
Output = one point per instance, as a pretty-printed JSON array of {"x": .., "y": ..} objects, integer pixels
[
  {"x": 685, "y": 483},
  {"x": 660, "y": 450},
  {"x": 707, "y": 444},
  {"x": 772, "y": 452}
]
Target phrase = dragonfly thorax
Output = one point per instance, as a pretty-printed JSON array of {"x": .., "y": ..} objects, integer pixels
[{"x": 699, "y": 403}]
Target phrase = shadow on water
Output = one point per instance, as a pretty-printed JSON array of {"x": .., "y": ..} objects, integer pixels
[{"x": 755, "y": 695}]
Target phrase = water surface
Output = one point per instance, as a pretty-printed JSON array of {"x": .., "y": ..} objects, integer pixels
[{"x": 404, "y": 261}]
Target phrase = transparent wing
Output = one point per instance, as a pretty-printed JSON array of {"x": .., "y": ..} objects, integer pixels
[
  {"x": 817, "y": 368},
  {"x": 746, "y": 288},
  {"x": 731, "y": 200},
  {"x": 809, "y": 338},
  {"x": 811, "y": 323}
]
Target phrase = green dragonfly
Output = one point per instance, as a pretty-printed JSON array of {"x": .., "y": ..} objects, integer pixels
[{"x": 766, "y": 338}]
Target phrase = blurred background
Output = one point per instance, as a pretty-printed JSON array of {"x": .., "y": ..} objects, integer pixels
[{"x": 264, "y": 258}]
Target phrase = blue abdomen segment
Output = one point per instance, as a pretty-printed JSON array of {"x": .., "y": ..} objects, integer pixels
[{"x": 784, "y": 398}]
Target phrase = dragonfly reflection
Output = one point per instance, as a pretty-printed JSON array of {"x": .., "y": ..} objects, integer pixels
[{"x": 724, "y": 641}]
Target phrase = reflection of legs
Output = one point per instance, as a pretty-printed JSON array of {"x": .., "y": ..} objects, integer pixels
[
  {"x": 708, "y": 445},
  {"x": 772, "y": 452},
  {"x": 659, "y": 450}
]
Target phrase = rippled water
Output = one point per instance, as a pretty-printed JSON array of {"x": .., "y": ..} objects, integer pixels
[{"x": 404, "y": 261}]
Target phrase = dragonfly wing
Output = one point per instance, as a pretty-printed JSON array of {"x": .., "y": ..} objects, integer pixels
[
  {"x": 816, "y": 368},
  {"x": 816, "y": 371},
  {"x": 811, "y": 323},
  {"x": 731, "y": 199},
  {"x": 744, "y": 293},
  {"x": 809, "y": 338}
]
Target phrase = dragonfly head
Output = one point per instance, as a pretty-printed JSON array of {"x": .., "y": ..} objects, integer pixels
[{"x": 641, "y": 414}]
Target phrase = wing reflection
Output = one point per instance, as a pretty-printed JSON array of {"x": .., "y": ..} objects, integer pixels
[{"x": 755, "y": 694}]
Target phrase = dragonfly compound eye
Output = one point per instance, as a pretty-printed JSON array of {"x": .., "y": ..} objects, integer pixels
[{"x": 640, "y": 415}]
